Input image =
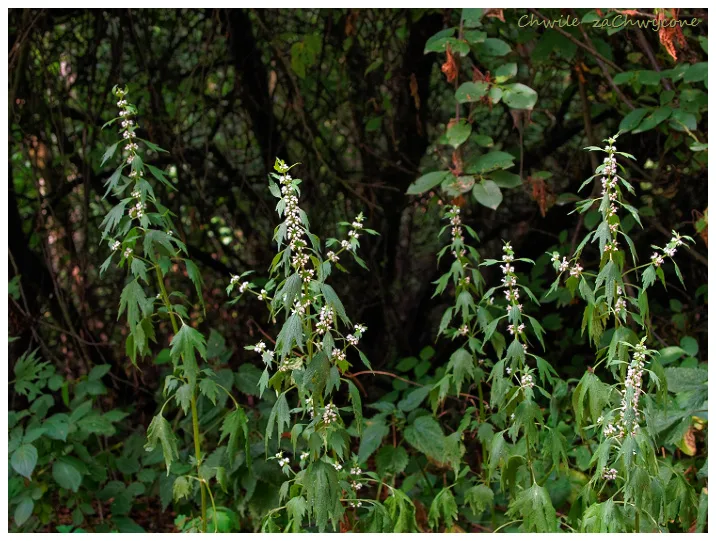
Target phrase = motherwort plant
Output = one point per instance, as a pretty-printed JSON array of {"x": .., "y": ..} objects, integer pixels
[
  {"x": 141, "y": 234},
  {"x": 308, "y": 367}
]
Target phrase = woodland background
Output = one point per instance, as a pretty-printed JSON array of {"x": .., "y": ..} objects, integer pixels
[{"x": 351, "y": 95}]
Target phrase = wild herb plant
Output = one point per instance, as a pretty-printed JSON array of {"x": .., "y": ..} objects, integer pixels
[
  {"x": 642, "y": 490},
  {"x": 140, "y": 231},
  {"x": 307, "y": 368}
]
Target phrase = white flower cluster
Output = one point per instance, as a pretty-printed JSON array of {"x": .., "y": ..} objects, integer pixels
[
  {"x": 115, "y": 245},
  {"x": 128, "y": 125},
  {"x": 127, "y": 252},
  {"x": 452, "y": 213},
  {"x": 300, "y": 305},
  {"x": 669, "y": 250},
  {"x": 609, "y": 474},
  {"x": 263, "y": 295},
  {"x": 325, "y": 320},
  {"x": 338, "y": 354},
  {"x": 281, "y": 460},
  {"x": 330, "y": 414},
  {"x": 355, "y": 470},
  {"x": 512, "y": 293},
  {"x": 527, "y": 381},
  {"x": 137, "y": 211},
  {"x": 576, "y": 270},
  {"x": 294, "y": 228},
  {"x": 354, "y": 338},
  {"x": 304, "y": 455},
  {"x": 356, "y": 485},
  {"x": 628, "y": 421},
  {"x": 357, "y": 225},
  {"x": 309, "y": 407},
  {"x": 337, "y": 466},
  {"x": 463, "y": 330},
  {"x": 332, "y": 257},
  {"x": 519, "y": 329},
  {"x": 356, "y": 504}
]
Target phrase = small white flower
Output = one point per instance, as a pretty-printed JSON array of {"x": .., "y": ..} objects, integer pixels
[
  {"x": 337, "y": 466},
  {"x": 304, "y": 455},
  {"x": 243, "y": 287},
  {"x": 127, "y": 252},
  {"x": 234, "y": 279},
  {"x": 115, "y": 245},
  {"x": 258, "y": 348}
]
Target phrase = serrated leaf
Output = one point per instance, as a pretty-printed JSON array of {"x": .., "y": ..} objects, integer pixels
[
  {"x": 185, "y": 344},
  {"x": 160, "y": 431},
  {"x": 535, "y": 508},
  {"x": 236, "y": 427}
]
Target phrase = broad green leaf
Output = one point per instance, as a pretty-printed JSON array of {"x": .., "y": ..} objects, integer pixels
[
  {"x": 24, "y": 459},
  {"x": 23, "y": 510},
  {"x": 391, "y": 460},
  {"x": 654, "y": 119},
  {"x": 633, "y": 119},
  {"x": 471, "y": 91},
  {"x": 426, "y": 435},
  {"x": 66, "y": 475},
  {"x": 459, "y": 133},
  {"x": 487, "y": 193},
  {"x": 519, "y": 96},
  {"x": 493, "y": 47},
  {"x": 471, "y": 17},
  {"x": 505, "y": 72},
  {"x": 414, "y": 398},
  {"x": 373, "y": 433},
  {"x": 491, "y": 161},
  {"x": 427, "y": 182},
  {"x": 505, "y": 179}
]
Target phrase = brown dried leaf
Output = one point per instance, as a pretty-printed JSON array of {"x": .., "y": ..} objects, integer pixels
[
  {"x": 449, "y": 68},
  {"x": 496, "y": 13}
]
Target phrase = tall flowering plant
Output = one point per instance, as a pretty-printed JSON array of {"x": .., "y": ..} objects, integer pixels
[
  {"x": 308, "y": 367},
  {"x": 629, "y": 480},
  {"x": 139, "y": 229}
]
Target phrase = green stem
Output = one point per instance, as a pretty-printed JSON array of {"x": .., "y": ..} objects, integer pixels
[{"x": 194, "y": 413}]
